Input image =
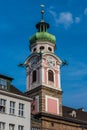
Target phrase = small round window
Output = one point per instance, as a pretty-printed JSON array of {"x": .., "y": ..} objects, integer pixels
[
  {"x": 42, "y": 48},
  {"x": 49, "y": 48},
  {"x": 34, "y": 49}
]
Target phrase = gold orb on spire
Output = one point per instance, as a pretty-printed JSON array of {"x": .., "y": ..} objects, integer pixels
[{"x": 42, "y": 11}]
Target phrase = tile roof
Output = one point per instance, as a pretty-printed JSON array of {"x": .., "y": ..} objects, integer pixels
[
  {"x": 80, "y": 114},
  {"x": 11, "y": 88},
  {"x": 6, "y": 77},
  {"x": 16, "y": 91}
]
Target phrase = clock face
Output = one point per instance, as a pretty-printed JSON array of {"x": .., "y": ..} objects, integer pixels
[
  {"x": 33, "y": 62},
  {"x": 50, "y": 61}
]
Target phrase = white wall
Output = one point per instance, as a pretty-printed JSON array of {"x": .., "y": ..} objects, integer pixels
[{"x": 15, "y": 119}]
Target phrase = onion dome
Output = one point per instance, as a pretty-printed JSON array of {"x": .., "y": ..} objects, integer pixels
[{"x": 42, "y": 34}]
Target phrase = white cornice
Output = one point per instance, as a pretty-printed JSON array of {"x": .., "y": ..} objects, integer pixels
[{"x": 7, "y": 93}]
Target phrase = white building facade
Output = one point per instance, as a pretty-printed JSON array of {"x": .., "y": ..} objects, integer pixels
[{"x": 15, "y": 110}]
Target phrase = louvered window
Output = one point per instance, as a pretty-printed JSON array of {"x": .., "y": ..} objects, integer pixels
[
  {"x": 50, "y": 75},
  {"x": 34, "y": 74}
]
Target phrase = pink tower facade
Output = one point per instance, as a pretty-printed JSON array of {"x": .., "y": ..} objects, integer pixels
[{"x": 43, "y": 72}]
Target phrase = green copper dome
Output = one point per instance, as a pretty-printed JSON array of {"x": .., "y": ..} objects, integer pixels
[{"x": 42, "y": 36}]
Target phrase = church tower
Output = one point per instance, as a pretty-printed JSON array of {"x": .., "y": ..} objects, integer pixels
[{"x": 43, "y": 72}]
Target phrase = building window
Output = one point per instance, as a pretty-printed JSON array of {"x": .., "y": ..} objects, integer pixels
[
  {"x": 50, "y": 75},
  {"x": 21, "y": 109},
  {"x": 2, "y": 105},
  {"x": 3, "y": 84},
  {"x": 11, "y": 126},
  {"x": 20, "y": 127},
  {"x": 12, "y": 107},
  {"x": 2, "y": 126},
  {"x": 34, "y": 128},
  {"x": 34, "y": 74}
]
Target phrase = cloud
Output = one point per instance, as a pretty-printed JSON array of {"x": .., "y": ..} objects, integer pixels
[
  {"x": 64, "y": 18},
  {"x": 85, "y": 11},
  {"x": 53, "y": 13},
  {"x": 77, "y": 20}
]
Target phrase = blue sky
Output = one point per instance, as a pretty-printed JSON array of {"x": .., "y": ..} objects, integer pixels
[{"x": 68, "y": 22}]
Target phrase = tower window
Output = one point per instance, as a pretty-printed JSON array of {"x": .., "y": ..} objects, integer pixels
[
  {"x": 34, "y": 49},
  {"x": 49, "y": 48},
  {"x": 33, "y": 107},
  {"x": 34, "y": 76},
  {"x": 50, "y": 75},
  {"x": 42, "y": 48},
  {"x": 45, "y": 29},
  {"x": 42, "y": 28}
]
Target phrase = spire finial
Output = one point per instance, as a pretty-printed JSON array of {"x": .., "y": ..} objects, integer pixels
[{"x": 42, "y": 12}]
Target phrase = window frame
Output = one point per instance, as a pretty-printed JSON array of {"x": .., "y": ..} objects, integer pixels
[
  {"x": 2, "y": 125},
  {"x": 21, "y": 110},
  {"x": 3, "y": 83},
  {"x": 20, "y": 127},
  {"x": 12, "y": 107},
  {"x": 2, "y": 105},
  {"x": 11, "y": 126}
]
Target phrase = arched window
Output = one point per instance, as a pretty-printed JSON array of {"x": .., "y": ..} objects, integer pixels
[
  {"x": 34, "y": 75},
  {"x": 50, "y": 75}
]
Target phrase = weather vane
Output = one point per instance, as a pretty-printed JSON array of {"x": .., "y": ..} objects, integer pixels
[{"x": 42, "y": 11}]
